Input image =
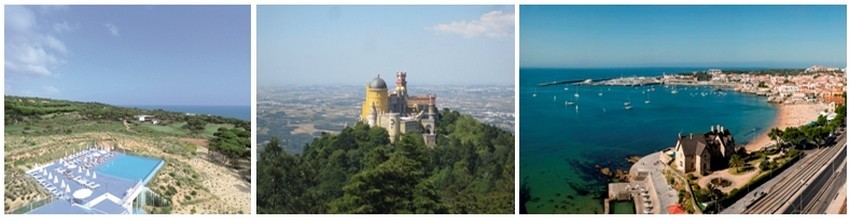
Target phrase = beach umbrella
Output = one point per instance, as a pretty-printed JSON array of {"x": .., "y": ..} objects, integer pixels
[
  {"x": 50, "y": 175},
  {"x": 55, "y": 180},
  {"x": 67, "y": 188},
  {"x": 63, "y": 184},
  {"x": 93, "y": 175},
  {"x": 87, "y": 173}
]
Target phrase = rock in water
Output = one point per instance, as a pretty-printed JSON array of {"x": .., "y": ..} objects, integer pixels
[
  {"x": 633, "y": 159},
  {"x": 622, "y": 175},
  {"x": 605, "y": 171}
]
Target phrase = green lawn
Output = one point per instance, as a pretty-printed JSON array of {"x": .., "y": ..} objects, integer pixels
[{"x": 171, "y": 129}]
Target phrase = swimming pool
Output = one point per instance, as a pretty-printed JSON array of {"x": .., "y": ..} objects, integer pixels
[{"x": 131, "y": 167}]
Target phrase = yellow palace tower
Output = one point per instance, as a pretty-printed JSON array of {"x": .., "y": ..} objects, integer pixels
[{"x": 376, "y": 94}]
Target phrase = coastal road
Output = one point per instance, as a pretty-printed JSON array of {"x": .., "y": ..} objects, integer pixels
[{"x": 791, "y": 187}]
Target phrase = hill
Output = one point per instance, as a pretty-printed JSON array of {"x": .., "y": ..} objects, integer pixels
[
  {"x": 207, "y": 157},
  {"x": 471, "y": 170}
]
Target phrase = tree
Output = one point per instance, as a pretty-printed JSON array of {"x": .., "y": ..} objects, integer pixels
[
  {"x": 816, "y": 134},
  {"x": 196, "y": 124},
  {"x": 471, "y": 170},
  {"x": 736, "y": 162},
  {"x": 234, "y": 143},
  {"x": 793, "y": 136},
  {"x": 764, "y": 164},
  {"x": 775, "y": 135},
  {"x": 387, "y": 188}
]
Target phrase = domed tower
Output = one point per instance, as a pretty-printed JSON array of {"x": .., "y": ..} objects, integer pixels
[{"x": 376, "y": 94}]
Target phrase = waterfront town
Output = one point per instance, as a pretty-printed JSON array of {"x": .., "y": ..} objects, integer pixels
[{"x": 797, "y": 166}]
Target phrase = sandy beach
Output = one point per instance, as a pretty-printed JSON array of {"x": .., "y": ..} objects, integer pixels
[{"x": 787, "y": 116}]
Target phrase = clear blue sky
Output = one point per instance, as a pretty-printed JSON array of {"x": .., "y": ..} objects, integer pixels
[
  {"x": 458, "y": 45},
  {"x": 130, "y": 55},
  {"x": 682, "y": 36}
]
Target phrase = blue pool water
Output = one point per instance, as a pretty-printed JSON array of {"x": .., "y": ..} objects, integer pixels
[{"x": 131, "y": 167}]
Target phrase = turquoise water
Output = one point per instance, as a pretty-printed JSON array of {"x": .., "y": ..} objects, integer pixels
[
  {"x": 560, "y": 146},
  {"x": 238, "y": 112},
  {"x": 131, "y": 167}
]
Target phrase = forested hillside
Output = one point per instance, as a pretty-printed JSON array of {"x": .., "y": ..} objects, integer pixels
[{"x": 360, "y": 171}]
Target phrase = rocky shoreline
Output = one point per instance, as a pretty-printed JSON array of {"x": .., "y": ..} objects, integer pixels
[{"x": 618, "y": 174}]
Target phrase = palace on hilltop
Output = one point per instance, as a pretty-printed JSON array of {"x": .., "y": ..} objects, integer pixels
[{"x": 399, "y": 112}]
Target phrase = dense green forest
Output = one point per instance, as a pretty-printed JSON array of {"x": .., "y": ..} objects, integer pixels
[{"x": 471, "y": 170}]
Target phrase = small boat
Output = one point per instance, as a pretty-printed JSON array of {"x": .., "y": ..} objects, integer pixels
[
  {"x": 628, "y": 107},
  {"x": 576, "y": 108},
  {"x": 554, "y": 98},
  {"x": 600, "y": 94},
  {"x": 674, "y": 91},
  {"x": 576, "y": 95},
  {"x": 569, "y": 103}
]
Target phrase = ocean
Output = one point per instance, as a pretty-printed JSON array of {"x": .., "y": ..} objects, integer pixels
[
  {"x": 561, "y": 145},
  {"x": 238, "y": 112}
]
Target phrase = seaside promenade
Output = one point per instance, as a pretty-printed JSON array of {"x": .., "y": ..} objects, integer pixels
[{"x": 648, "y": 172}]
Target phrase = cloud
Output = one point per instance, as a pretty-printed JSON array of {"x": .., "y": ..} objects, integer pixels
[
  {"x": 19, "y": 18},
  {"x": 112, "y": 29},
  {"x": 63, "y": 27},
  {"x": 494, "y": 24},
  {"x": 31, "y": 49}
]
